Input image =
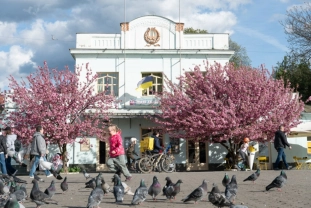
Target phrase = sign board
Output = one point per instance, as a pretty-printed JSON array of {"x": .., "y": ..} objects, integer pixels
[
  {"x": 143, "y": 102},
  {"x": 85, "y": 146}
]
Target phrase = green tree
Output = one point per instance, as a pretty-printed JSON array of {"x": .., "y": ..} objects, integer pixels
[
  {"x": 297, "y": 27},
  {"x": 240, "y": 57},
  {"x": 297, "y": 72},
  {"x": 190, "y": 30}
]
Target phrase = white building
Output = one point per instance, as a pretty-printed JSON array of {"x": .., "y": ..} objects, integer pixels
[{"x": 148, "y": 45}]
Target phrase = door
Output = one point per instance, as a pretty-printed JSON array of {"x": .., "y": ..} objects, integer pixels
[
  {"x": 102, "y": 156},
  {"x": 197, "y": 155}
]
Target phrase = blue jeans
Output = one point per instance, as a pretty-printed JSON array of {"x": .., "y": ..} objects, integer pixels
[
  {"x": 282, "y": 155},
  {"x": 35, "y": 165},
  {"x": 9, "y": 167},
  {"x": 2, "y": 164}
]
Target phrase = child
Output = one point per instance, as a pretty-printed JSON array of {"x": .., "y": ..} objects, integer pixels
[
  {"x": 243, "y": 151},
  {"x": 57, "y": 162}
]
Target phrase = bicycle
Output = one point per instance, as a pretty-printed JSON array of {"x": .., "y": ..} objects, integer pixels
[{"x": 161, "y": 161}]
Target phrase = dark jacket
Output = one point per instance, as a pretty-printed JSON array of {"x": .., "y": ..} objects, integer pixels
[
  {"x": 280, "y": 140},
  {"x": 3, "y": 147},
  {"x": 157, "y": 146},
  {"x": 131, "y": 150}
]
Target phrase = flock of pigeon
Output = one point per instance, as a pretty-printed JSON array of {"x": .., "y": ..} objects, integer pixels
[
  {"x": 170, "y": 190},
  {"x": 13, "y": 192}
]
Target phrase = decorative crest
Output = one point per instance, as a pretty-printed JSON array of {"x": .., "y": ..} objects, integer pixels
[{"x": 152, "y": 36}]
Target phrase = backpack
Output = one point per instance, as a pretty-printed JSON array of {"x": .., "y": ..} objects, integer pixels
[{"x": 18, "y": 145}]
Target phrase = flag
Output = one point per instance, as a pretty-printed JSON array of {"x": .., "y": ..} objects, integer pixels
[{"x": 145, "y": 83}]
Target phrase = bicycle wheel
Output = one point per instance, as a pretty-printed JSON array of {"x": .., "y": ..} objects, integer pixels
[
  {"x": 145, "y": 165},
  {"x": 168, "y": 164}
]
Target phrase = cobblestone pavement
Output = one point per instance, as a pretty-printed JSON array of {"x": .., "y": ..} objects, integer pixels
[{"x": 296, "y": 193}]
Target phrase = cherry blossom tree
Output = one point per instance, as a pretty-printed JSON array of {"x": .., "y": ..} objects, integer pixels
[
  {"x": 67, "y": 107},
  {"x": 225, "y": 104}
]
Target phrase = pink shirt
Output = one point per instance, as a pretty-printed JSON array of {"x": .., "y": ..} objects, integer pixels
[{"x": 115, "y": 142}]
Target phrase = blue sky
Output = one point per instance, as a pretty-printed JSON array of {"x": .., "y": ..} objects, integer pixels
[{"x": 27, "y": 27}]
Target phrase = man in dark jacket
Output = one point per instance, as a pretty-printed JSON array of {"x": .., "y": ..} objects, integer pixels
[
  {"x": 3, "y": 153},
  {"x": 280, "y": 143},
  {"x": 157, "y": 146}
]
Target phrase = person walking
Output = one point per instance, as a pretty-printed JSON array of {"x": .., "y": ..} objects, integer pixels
[
  {"x": 10, "y": 143},
  {"x": 280, "y": 143},
  {"x": 38, "y": 150},
  {"x": 3, "y": 153},
  {"x": 130, "y": 152},
  {"x": 116, "y": 162}
]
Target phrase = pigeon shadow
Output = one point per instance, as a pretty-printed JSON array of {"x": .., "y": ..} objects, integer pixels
[
  {"x": 73, "y": 207},
  {"x": 121, "y": 204},
  {"x": 258, "y": 191},
  {"x": 155, "y": 201}
]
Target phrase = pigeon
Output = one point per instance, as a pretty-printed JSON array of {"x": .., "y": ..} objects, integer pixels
[
  {"x": 168, "y": 183},
  {"x": 18, "y": 180},
  {"x": 231, "y": 189},
  {"x": 278, "y": 182},
  {"x": 204, "y": 187},
  {"x": 91, "y": 184},
  {"x": 23, "y": 188},
  {"x": 38, "y": 196},
  {"x": 20, "y": 195},
  {"x": 50, "y": 191},
  {"x": 3, "y": 201},
  {"x": 4, "y": 189},
  {"x": 118, "y": 189},
  {"x": 97, "y": 194},
  {"x": 64, "y": 185},
  {"x": 140, "y": 193},
  {"x": 127, "y": 189},
  {"x": 225, "y": 180},
  {"x": 254, "y": 176},
  {"x": 92, "y": 203},
  {"x": 217, "y": 198},
  {"x": 12, "y": 202},
  {"x": 105, "y": 186},
  {"x": 195, "y": 195},
  {"x": 38, "y": 178},
  {"x": 173, "y": 190},
  {"x": 155, "y": 188},
  {"x": 86, "y": 175}
]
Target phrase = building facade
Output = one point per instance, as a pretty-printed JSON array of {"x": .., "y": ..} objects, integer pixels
[{"x": 148, "y": 46}]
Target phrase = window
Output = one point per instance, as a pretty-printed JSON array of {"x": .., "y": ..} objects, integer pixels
[
  {"x": 308, "y": 145},
  {"x": 156, "y": 86},
  {"x": 109, "y": 82}
]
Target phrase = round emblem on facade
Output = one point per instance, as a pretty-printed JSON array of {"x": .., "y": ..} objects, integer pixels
[{"x": 152, "y": 36}]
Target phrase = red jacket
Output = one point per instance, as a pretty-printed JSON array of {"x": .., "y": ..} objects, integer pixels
[{"x": 115, "y": 142}]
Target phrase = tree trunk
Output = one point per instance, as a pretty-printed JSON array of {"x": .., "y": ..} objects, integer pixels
[
  {"x": 63, "y": 151},
  {"x": 232, "y": 150}
]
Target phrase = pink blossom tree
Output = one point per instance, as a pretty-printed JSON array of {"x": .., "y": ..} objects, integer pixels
[
  {"x": 65, "y": 106},
  {"x": 225, "y": 104}
]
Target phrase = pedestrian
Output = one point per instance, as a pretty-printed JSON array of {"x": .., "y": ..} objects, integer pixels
[
  {"x": 157, "y": 145},
  {"x": 3, "y": 152},
  {"x": 280, "y": 143},
  {"x": 130, "y": 152},
  {"x": 11, "y": 140},
  {"x": 38, "y": 150},
  {"x": 116, "y": 162},
  {"x": 57, "y": 163},
  {"x": 243, "y": 151}
]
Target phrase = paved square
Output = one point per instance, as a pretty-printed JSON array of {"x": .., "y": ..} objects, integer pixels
[{"x": 296, "y": 193}]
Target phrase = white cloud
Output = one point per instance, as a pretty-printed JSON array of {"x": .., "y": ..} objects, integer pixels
[
  {"x": 10, "y": 63},
  {"x": 7, "y": 33}
]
